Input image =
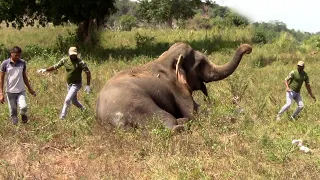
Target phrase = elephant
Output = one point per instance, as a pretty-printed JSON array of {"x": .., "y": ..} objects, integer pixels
[{"x": 162, "y": 88}]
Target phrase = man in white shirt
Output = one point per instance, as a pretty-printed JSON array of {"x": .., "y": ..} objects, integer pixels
[{"x": 16, "y": 80}]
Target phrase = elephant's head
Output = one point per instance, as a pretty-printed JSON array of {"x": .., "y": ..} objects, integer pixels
[{"x": 194, "y": 69}]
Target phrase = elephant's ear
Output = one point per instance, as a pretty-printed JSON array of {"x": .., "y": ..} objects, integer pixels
[{"x": 180, "y": 73}]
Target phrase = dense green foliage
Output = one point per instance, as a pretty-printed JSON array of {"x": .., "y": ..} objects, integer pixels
[
  {"x": 268, "y": 32},
  {"x": 200, "y": 15},
  {"x": 87, "y": 14},
  {"x": 124, "y": 7},
  {"x": 57, "y": 12},
  {"x": 127, "y": 22},
  {"x": 19, "y": 12},
  {"x": 161, "y": 11}
]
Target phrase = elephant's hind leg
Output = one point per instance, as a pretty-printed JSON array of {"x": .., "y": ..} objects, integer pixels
[
  {"x": 182, "y": 121},
  {"x": 168, "y": 120}
]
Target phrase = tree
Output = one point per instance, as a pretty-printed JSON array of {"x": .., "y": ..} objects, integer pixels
[
  {"x": 259, "y": 37},
  {"x": 87, "y": 14},
  {"x": 236, "y": 19},
  {"x": 127, "y": 22},
  {"x": 125, "y": 7},
  {"x": 18, "y": 12},
  {"x": 218, "y": 11},
  {"x": 278, "y": 26},
  {"x": 165, "y": 11}
]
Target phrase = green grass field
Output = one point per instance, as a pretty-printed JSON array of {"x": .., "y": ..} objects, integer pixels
[{"x": 221, "y": 144}]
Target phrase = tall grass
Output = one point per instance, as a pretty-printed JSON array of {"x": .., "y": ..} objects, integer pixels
[{"x": 226, "y": 140}]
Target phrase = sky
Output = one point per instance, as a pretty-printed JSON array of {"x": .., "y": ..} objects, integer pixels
[{"x": 303, "y": 15}]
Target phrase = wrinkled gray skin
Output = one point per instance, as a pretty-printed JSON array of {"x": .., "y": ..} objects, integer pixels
[{"x": 162, "y": 88}]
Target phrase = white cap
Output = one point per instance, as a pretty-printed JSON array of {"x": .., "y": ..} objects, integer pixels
[{"x": 73, "y": 51}]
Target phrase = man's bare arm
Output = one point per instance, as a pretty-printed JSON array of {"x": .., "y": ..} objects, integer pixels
[
  {"x": 26, "y": 82},
  {"x": 88, "y": 73},
  {"x": 287, "y": 85},
  {"x": 310, "y": 90},
  {"x": 2, "y": 74},
  {"x": 1, "y": 87}
]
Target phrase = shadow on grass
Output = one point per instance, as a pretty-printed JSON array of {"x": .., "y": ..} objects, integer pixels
[
  {"x": 150, "y": 49},
  {"x": 156, "y": 49}
]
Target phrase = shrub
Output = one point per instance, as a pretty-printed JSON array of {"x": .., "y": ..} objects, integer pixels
[
  {"x": 143, "y": 41},
  {"x": 313, "y": 42},
  {"x": 181, "y": 24},
  {"x": 218, "y": 22},
  {"x": 34, "y": 50},
  {"x": 259, "y": 37},
  {"x": 264, "y": 60},
  {"x": 4, "y": 52},
  {"x": 64, "y": 42},
  {"x": 199, "y": 22},
  {"x": 287, "y": 42},
  {"x": 236, "y": 19},
  {"x": 127, "y": 22}
]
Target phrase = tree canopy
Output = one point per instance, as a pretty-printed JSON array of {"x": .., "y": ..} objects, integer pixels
[
  {"x": 126, "y": 10},
  {"x": 84, "y": 13},
  {"x": 18, "y": 12},
  {"x": 168, "y": 10}
]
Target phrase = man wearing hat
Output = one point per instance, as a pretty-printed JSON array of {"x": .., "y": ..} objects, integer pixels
[
  {"x": 74, "y": 67},
  {"x": 293, "y": 85}
]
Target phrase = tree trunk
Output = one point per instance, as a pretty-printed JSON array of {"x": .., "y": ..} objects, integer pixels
[
  {"x": 86, "y": 32},
  {"x": 170, "y": 23}
]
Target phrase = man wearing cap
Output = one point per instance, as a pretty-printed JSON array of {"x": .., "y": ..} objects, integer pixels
[
  {"x": 293, "y": 85},
  {"x": 74, "y": 67},
  {"x": 16, "y": 79}
]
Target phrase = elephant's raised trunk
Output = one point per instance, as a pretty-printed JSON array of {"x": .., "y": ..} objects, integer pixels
[{"x": 222, "y": 71}]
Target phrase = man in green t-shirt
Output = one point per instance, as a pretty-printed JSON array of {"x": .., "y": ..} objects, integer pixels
[
  {"x": 74, "y": 67},
  {"x": 293, "y": 84}
]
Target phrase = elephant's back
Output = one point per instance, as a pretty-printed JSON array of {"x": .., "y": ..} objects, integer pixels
[
  {"x": 128, "y": 96},
  {"x": 118, "y": 99}
]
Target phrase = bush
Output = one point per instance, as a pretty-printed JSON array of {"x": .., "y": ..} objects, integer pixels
[
  {"x": 143, "y": 41},
  {"x": 127, "y": 22},
  {"x": 33, "y": 50},
  {"x": 28, "y": 52},
  {"x": 259, "y": 37},
  {"x": 199, "y": 22},
  {"x": 4, "y": 52},
  {"x": 64, "y": 42},
  {"x": 287, "y": 42},
  {"x": 236, "y": 19},
  {"x": 264, "y": 60},
  {"x": 313, "y": 42},
  {"x": 181, "y": 24},
  {"x": 218, "y": 22}
]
